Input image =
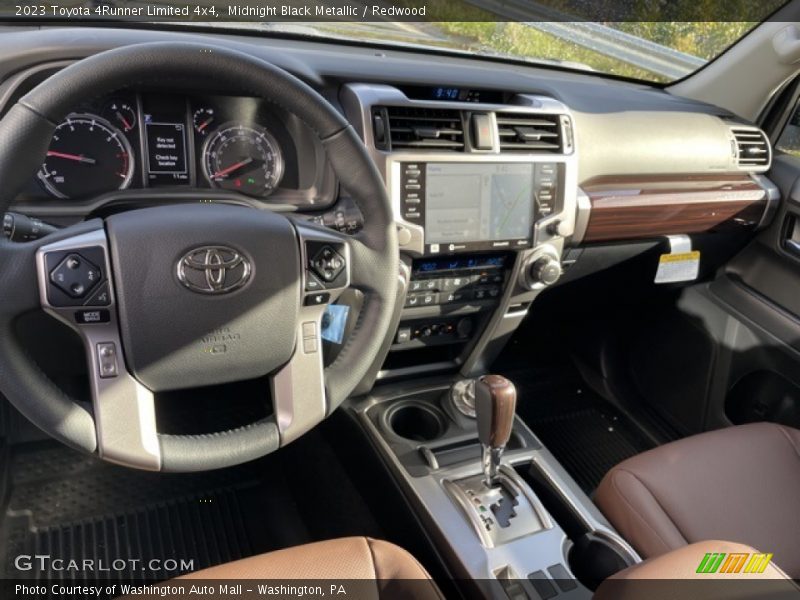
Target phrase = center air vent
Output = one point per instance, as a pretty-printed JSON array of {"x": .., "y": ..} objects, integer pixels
[
  {"x": 529, "y": 133},
  {"x": 752, "y": 148},
  {"x": 419, "y": 128}
]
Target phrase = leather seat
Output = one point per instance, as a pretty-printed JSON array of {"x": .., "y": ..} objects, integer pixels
[
  {"x": 679, "y": 570},
  {"x": 740, "y": 484},
  {"x": 385, "y": 570}
]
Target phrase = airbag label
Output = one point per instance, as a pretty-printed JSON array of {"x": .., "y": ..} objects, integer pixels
[{"x": 673, "y": 268}]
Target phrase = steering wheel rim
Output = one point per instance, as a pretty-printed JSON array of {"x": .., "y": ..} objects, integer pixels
[{"x": 25, "y": 133}]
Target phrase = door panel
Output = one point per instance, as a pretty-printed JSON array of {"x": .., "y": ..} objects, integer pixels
[{"x": 752, "y": 310}]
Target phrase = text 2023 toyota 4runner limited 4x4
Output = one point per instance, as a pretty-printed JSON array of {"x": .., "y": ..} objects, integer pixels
[{"x": 383, "y": 310}]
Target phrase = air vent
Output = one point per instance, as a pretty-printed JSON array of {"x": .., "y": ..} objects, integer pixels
[
  {"x": 420, "y": 128},
  {"x": 752, "y": 148},
  {"x": 529, "y": 133}
]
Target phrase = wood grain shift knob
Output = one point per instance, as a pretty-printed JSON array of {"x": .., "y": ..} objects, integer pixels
[{"x": 495, "y": 404}]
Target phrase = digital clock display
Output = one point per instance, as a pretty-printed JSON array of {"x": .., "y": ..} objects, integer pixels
[{"x": 446, "y": 93}]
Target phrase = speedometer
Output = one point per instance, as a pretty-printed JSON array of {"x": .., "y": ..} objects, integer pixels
[
  {"x": 87, "y": 156},
  {"x": 244, "y": 158}
]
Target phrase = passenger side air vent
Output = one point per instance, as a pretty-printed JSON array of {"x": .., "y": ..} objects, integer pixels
[
  {"x": 529, "y": 133},
  {"x": 752, "y": 148},
  {"x": 420, "y": 128}
]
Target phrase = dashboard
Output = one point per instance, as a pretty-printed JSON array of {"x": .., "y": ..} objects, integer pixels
[{"x": 502, "y": 181}]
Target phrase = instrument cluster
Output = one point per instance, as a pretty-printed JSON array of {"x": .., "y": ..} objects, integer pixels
[{"x": 140, "y": 140}]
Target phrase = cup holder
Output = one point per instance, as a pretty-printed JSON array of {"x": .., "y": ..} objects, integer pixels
[{"x": 415, "y": 421}]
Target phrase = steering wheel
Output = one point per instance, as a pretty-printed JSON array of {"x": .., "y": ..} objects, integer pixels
[{"x": 190, "y": 295}]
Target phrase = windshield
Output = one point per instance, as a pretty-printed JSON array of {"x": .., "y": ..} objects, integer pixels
[
  {"x": 658, "y": 42},
  {"x": 648, "y": 49},
  {"x": 656, "y": 52}
]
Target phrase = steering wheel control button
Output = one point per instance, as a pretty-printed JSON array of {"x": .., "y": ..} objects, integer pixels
[
  {"x": 107, "y": 360},
  {"x": 309, "y": 329},
  {"x": 312, "y": 283},
  {"x": 317, "y": 299},
  {"x": 310, "y": 342},
  {"x": 327, "y": 263},
  {"x": 75, "y": 275},
  {"x": 87, "y": 317},
  {"x": 100, "y": 297}
]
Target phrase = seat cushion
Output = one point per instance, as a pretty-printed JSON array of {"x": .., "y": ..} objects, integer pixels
[
  {"x": 740, "y": 484},
  {"x": 645, "y": 579},
  {"x": 387, "y": 571}
]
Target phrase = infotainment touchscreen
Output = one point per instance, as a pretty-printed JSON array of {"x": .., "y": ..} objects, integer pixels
[{"x": 473, "y": 203}]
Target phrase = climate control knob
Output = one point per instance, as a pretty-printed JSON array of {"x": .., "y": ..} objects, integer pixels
[{"x": 545, "y": 270}]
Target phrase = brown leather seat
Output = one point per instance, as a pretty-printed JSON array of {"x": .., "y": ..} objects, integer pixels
[
  {"x": 679, "y": 568},
  {"x": 383, "y": 570},
  {"x": 740, "y": 484}
]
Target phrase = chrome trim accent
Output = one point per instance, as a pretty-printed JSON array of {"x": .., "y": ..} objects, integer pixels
[
  {"x": 215, "y": 267},
  {"x": 124, "y": 410},
  {"x": 773, "y": 199},
  {"x": 525, "y": 523},
  {"x": 462, "y": 397},
  {"x": 298, "y": 389},
  {"x": 583, "y": 213},
  {"x": 735, "y": 147},
  {"x": 429, "y": 457},
  {"x": 539, "y": 252}
]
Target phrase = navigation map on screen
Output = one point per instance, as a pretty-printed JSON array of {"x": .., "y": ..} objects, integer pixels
[{"x": 469, "y": 202}]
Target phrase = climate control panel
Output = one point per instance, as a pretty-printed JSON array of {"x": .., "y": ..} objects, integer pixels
[{"x": 453, "y": 280}]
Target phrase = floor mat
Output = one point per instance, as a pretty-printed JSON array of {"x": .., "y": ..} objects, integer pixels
[
  {"x": 584, "y": 432},
  {"x": 151, "y": 543},
  {"x": 72, "y": 506}
]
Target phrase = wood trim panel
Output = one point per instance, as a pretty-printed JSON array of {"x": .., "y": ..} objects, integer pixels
[{"x": 640, "y": 207}]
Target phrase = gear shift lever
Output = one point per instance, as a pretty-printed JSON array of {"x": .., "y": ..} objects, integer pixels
[{"x": 495, "y": 403}]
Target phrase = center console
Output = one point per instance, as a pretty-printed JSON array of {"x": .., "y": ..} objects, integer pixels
[
  {"x": 512, "y": 524},
  {"x": 485, "y": 198}
]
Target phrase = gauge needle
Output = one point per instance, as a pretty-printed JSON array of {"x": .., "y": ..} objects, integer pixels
[
  {"x": 233, "y": 167},
  {"x": 205, "y": 124},
  {"x": 122, "y": 118},
  {"x": 75, "y": 157}
]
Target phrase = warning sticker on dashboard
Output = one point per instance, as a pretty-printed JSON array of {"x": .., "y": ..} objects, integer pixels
[{"x": 684, "y": 266}]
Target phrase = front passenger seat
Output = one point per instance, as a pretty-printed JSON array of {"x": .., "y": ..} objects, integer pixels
[
  {"x": 740, "y": 484},
  {"x": 386, "y": 571}
]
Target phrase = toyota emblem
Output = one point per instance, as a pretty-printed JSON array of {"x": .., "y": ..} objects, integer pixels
[{"x": 213, "y": 270}]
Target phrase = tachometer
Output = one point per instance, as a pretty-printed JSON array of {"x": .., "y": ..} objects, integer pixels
[
  {"x": 245, "y": 158},
  {"x": 87, "y": 156}
]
